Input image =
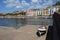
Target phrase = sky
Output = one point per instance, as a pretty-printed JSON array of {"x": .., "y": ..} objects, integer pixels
[{"x": 14, "y": 5}]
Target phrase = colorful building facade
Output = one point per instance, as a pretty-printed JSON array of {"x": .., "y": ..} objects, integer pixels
[{"x": 44, "y": 12}]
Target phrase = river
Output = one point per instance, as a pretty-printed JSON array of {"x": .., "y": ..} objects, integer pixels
[{"x": 19, "y": 22}]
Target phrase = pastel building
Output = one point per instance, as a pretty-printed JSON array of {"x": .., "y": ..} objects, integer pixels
[
  {"x": 57, "y": 7},
  {"x": 30, "y": 13},
  {"x": 53, "y": 9},
  {"x": 44, "y": 12},
  {"x": 37, "y": 12},
  {"x": 33, "y": 12}
]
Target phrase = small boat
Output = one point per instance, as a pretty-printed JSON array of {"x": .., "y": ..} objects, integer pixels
[{"x": 41, "y": 31}]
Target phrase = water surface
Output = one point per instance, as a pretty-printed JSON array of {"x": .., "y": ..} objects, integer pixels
[{"x": 18, "y": 22}]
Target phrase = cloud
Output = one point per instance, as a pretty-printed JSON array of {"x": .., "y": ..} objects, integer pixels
[
  {"x": 18, "y": 7},
  {"x": 48, "y": 3},
  {"x": 45, "y": 1},
  {"x": 44, "y": 5},
  {"x": 35, "y": 7},
  {"x": 12, "y": 3},
  {"x": 34, "y": 4},
  {"x": 24, "y": 3},
  {"x": 34, "y": 0},
  {"x": 16, "y": 3}
]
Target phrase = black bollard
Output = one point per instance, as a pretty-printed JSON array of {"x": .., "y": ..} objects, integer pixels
[{"x": 38, "y": 34}]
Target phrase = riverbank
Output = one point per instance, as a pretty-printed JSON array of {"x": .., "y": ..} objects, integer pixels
[
  {"x": 27, "y": 32},
  {"x": 25, "y": 16}
]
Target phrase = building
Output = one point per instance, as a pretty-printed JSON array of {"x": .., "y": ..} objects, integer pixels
[
  {"x": 30, "y": 13},
  {"x": 53, "y": 9},
  {"x": 43, "y": 12},
  {"x": 57, "y": 7}
]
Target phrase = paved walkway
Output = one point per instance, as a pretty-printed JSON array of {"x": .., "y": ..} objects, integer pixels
[{"x": 27, "y": 32}]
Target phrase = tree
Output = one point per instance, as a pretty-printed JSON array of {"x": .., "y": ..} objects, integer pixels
[
  {"x": 22, "y": 13},
  {"x": 11, "y": 14},
  {"x": 57, "y": 3},
  {"x": 2, "y": 14}
]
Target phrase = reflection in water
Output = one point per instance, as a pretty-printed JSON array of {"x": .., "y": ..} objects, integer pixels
[
  {"x": 39, "y": 21},
  {"x": 18, "y": 22},
  {"x": 12, "y": 22}
]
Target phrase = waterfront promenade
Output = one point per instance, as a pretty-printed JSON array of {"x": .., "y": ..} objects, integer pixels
[
  {"x": 27, "y": 32},
  {"x": 25, "y": 16}
]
